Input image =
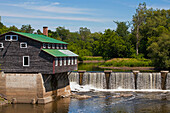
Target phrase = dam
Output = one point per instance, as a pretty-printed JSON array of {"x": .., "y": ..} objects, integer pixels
[{"x": 124, "y": 81}]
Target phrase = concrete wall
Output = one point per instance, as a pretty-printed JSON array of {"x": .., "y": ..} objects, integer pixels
[{"x": 28, "y": 88}]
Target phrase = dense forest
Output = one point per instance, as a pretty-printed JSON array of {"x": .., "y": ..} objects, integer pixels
[{"x": 146, "y": 36}]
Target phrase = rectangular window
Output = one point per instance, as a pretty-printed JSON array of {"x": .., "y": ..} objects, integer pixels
[
  {"x": 14, "y": 37},
  {"x": 68, "y": 61},
  {"x": 64, "y": 61},
  {"x": 44, "y": 45},
  {"x": 65, "y": 47},
  {"x": 75, "y": 60},
  {"x": 57, "y": 46},
  {"x": 1, "y": 45},
  {"x": 7, "y": 37},
  {"x": 61, "y": 61},
  {"x": 26, "y": 61},
  {"x": 23, "y": 45},
  {"x": 49, "y": 46},
  {"x": 53, "y": 46},
  {"x": 11, "y": 37},
  {"x": 72, "y": 61},
  {"x": 56, "y": 62}
]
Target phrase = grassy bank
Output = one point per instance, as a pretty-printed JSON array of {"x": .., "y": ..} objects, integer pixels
[
  {"x": 90, "y": 58},
  {"x": 127, "y": 62}
]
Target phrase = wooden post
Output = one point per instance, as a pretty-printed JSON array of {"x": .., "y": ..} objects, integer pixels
[
  {"x": 135, "y": 77},
  {"x": 107, "y": 76},
  {"x": 163, "y": 79},
  {"x": 81, "y": 72}
]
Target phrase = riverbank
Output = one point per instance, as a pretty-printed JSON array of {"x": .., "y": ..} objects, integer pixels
[{"x": 129, "y": 68}]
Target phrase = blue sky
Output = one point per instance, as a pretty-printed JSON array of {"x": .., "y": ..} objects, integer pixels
[{"x": 97, "y": 15}]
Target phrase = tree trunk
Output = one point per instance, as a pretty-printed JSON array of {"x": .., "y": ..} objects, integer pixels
[{"x": 137, "y": 43}]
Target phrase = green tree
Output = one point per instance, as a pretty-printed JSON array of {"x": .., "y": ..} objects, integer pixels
[
  {"x": 62, "y": 32},
  {"x": 138, "y": 20},
  {"x": 27, "y": 29},
  {"x": 122, "y": 28},
  {"x": 160, "y": 51}
]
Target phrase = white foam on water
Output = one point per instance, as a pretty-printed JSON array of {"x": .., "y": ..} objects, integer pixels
[{"x": 86, "y": 88}]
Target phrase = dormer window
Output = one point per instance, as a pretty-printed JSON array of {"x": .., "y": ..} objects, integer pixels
[
  {"x": 61, "y": 46},
  {"x": 11, "y": 37},
  {"x": 1, "y": 45},
  {"x": 65, "y": 47},
  {"x": 53, "y": 46},
  {"x": 49, "y": 46},
  {"x": 44, "y": 45},
  {"x": 23, "y": 45},
  {"x": 57, "y": 46}
]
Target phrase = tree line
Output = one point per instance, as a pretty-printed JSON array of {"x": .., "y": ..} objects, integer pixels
[{"x": 149, "y": 37}]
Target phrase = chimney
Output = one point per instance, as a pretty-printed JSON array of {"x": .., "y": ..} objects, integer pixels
[{"x": 45, "y": 31}]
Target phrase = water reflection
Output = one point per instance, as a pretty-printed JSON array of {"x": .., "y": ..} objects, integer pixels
[{"x": 100, "y": 102}]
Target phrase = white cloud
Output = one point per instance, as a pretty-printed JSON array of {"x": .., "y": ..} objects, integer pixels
[
  {"x": 159, "y": 7},
  {"x": 53, "y": 17},
  {"x": 50, "y": 8},
  {"x": 55, "y": 3}
]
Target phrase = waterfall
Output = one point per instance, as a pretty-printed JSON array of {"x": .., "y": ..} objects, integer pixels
[
  {"x": 149, "y": 81},
  {"x": 96, "y": 80},
  {"x": 74, "y": 77},
  {"x": 122, "y": 81},
  {"x": 168, "y": 82}
]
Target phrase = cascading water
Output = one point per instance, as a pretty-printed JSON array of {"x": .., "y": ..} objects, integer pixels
[
  {"x": 149, "y": 81},
  {"x": 168, "y": 82},
  {"x": 74, "y": 77},
  {"x": 121, "y": 81},
  {"x": 96, "y": 80}
]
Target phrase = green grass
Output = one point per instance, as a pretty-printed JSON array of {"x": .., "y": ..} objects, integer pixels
[
  {"x": 127, "y": 62},
  {"x": 91, "y": 58}
]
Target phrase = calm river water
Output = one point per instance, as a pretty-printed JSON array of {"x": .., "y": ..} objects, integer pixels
[{"x": 100, "y": 102}]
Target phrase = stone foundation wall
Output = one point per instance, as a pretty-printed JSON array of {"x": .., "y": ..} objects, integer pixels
[{"x": 28, "y": 88}]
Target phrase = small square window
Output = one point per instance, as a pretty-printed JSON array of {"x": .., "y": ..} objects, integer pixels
[
  {"x": 49, "y": 46},
  {"x": 65, "y": 47},
  {"x": 44, "y": 45},
  {"x": 61, "y": 46},
  {"x": 14, "y": 37},
  {"x": 23, "y": 45},
  {"x": 53, "y": 46},
  {"x": 7, "y": 37},
  {"x": 57, "y": 46},
  {"x": 1, "y": 45}
]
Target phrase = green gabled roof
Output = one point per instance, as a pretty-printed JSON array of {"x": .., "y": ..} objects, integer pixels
[
  {"x": 41, "y": 38},
  {"x": 59, "y": 52}
]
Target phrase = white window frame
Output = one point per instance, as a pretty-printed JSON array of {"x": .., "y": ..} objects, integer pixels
[
  {"x": 16, "y": 38},
  {"x": 57, "y": 46},
  {"x": 49, "y": 46},
  {"x": 75, "y": 60},
  {"x": 44, "y": 45},
  {"x": 68, "y": 61},
  {"x": 28, "y": 61},
  {"x": 53, "y": 46},
  {"x": 23, "y": 43},
  {"x": 61, "y": 61},
  {"x": 56, "y": 61},
  {"x": 11, "y": 37},
  {"x": 65, "y": 47},
  {"x": 2, "y": 45},
  {"x": 64, "y": 61},
  {"x": 72, "y": 60}
]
